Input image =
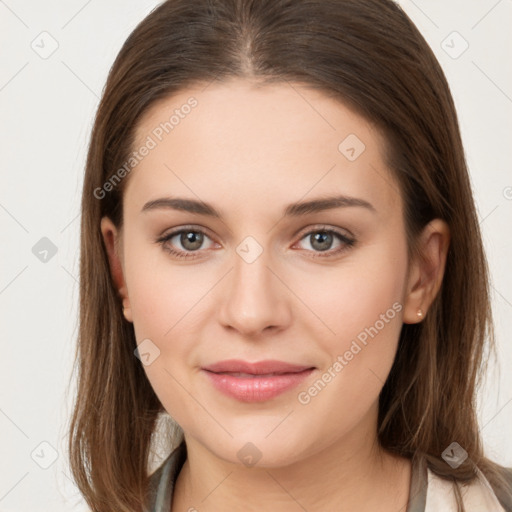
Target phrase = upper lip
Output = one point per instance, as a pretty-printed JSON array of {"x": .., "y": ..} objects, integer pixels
[{"x": 256, "y": 368}]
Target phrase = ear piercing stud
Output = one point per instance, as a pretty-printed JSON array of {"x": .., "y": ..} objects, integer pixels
[{"x": 419, "y": 313}]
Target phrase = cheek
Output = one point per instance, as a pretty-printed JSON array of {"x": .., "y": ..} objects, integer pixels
[
  {"x": 164, "y": 304},
  {"x": 162, "y": 295},
  {"x": 362, "y": 304},
  {"x": 353, "y": 296},
  {"x": 167, "y": 301}
]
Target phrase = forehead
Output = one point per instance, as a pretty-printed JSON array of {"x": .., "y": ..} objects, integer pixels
[{"x": 236, "y": 139}]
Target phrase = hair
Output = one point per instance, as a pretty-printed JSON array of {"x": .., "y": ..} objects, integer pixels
[{"x": 371, "y": 57}]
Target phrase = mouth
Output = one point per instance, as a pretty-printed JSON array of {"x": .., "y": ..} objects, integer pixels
[
  {"x": 255, "y": 382},
  {"x": 253, "y": 375}
]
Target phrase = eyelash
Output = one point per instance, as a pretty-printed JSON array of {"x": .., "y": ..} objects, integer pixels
[{"x": 347, "y": 242}]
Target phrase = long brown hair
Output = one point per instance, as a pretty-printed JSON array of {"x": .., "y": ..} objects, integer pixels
[{"x": 370, "y": 56}]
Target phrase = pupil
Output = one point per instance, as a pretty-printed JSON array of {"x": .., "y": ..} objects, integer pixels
[
  {"x": 322, "y": 237},
  {"x": 191, "y": 240}
]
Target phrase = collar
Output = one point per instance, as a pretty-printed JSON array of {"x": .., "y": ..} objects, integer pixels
[{"x": 427, "y": 491}]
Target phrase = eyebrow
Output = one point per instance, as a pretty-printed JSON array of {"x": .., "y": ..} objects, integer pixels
[{"x": 292, "y": 210}]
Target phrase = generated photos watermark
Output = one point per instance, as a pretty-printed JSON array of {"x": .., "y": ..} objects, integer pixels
[
  {"x": 151, "y": 142},
  {"x": 342, "y": 360}
]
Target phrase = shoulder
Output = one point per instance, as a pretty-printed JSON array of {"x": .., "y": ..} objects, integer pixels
[{"x": 478, "y": 495}]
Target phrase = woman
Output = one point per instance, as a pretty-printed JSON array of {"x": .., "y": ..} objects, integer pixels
[{"x": 280, "y": 251}]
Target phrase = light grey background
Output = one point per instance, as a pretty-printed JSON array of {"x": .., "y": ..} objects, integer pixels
[{"x": 47, "y": 105}]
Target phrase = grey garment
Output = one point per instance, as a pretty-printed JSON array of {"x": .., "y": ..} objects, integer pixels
[
  {"x": 419, "y": 482},
  {"x": 162, "y": 483},
  {"x": 504, "y": 496}
]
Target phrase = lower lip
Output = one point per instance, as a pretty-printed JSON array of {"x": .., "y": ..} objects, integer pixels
[{"x": 256, "y": 389}]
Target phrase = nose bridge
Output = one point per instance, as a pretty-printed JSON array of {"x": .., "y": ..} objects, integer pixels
[{"x": 253, "y": 299}]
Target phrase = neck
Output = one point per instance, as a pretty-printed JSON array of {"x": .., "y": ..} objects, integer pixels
[{"x": 353, "y": 473}]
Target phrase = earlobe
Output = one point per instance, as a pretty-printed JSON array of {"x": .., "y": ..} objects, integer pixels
[
  {"x": 112, "y": 241},
  {"x": 426, "y": 271}
]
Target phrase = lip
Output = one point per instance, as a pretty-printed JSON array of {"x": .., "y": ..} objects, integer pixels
[
  {"x": 257, "y": 368},
  {"x": 260, "y": 381}
]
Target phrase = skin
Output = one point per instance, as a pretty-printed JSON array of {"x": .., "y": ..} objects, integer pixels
[{"x": 250, "y": 151}]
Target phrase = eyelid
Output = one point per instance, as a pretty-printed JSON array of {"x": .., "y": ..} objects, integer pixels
[
  {"x": 324, "y": 227},
  {"x": 187, "y": 227}
]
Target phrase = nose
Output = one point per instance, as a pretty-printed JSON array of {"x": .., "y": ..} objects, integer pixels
[{"x": 253, "y": 299}]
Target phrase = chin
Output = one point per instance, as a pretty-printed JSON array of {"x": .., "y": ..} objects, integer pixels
[{"x": 257, "y": 451}]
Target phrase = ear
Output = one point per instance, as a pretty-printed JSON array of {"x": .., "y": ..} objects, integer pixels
[
  {"x": 113, "y": 244},
  {"x": 426, "y": 271}
]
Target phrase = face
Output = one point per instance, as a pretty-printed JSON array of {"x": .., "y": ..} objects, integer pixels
[{"x": 274, "y": 274}]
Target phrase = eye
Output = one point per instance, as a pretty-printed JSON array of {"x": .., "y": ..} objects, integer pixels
[
  {"x": 321, "y": 241},
  {"x": 190, "y": 239}
]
